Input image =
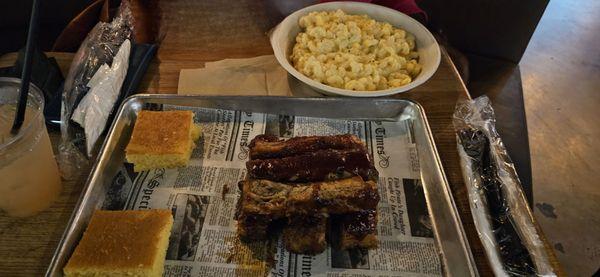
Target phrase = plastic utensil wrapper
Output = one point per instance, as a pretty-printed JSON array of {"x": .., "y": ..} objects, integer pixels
[
  {"x": 500, "y": 211},
  {"x": 80, "y": 111}
]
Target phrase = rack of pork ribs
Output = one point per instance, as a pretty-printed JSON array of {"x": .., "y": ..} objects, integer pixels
[{"x": 306, "y": 184}]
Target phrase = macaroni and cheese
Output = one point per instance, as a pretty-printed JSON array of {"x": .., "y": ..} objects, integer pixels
[{"x": 354, "y": 52}]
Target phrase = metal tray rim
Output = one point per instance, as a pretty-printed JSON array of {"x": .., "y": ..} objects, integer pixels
[{"x": 100, "y": 162}]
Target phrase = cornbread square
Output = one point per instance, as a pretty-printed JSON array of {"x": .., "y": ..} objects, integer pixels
[
  {"x": 162, "y": 139},
  {"x": 123, "y": 243}
]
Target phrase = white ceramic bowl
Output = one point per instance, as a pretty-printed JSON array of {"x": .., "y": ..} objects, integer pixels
[{"x": 284, "y": 35}]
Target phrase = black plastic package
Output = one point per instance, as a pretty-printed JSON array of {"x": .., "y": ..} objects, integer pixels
[{"x": 97, "y": 50}]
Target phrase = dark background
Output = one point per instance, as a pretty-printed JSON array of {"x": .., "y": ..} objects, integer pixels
[
  {"x": 54, "y": 16},
  {"x": 492, "y": 28}
]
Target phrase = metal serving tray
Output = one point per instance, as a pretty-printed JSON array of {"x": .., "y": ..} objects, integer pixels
[{"x": 455, "y": 254}]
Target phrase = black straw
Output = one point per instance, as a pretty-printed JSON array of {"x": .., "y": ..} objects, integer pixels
[{"x": 26, "y": 74}]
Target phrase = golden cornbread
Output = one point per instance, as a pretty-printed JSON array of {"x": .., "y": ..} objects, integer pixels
[
  {"x": 122, "y": 243},
  {"x": 162, "y": 139}
]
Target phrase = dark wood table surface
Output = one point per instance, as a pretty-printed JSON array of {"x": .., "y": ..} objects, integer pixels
[{"x": 196, "y": 32}]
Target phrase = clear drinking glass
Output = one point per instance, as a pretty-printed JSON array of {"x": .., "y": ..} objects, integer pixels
[{"x": 29, "y": 176}]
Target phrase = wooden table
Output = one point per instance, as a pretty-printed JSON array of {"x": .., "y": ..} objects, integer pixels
[{"x": 201, "y": 31}]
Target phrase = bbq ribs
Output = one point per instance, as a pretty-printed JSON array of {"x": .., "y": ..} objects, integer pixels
[{"x": 303, "y": 181}]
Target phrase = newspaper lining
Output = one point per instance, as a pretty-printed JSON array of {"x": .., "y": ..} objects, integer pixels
[{"x": 203, "y": 196}]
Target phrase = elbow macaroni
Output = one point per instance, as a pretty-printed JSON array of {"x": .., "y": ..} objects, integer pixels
[{"x": 354, "y": 52}]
